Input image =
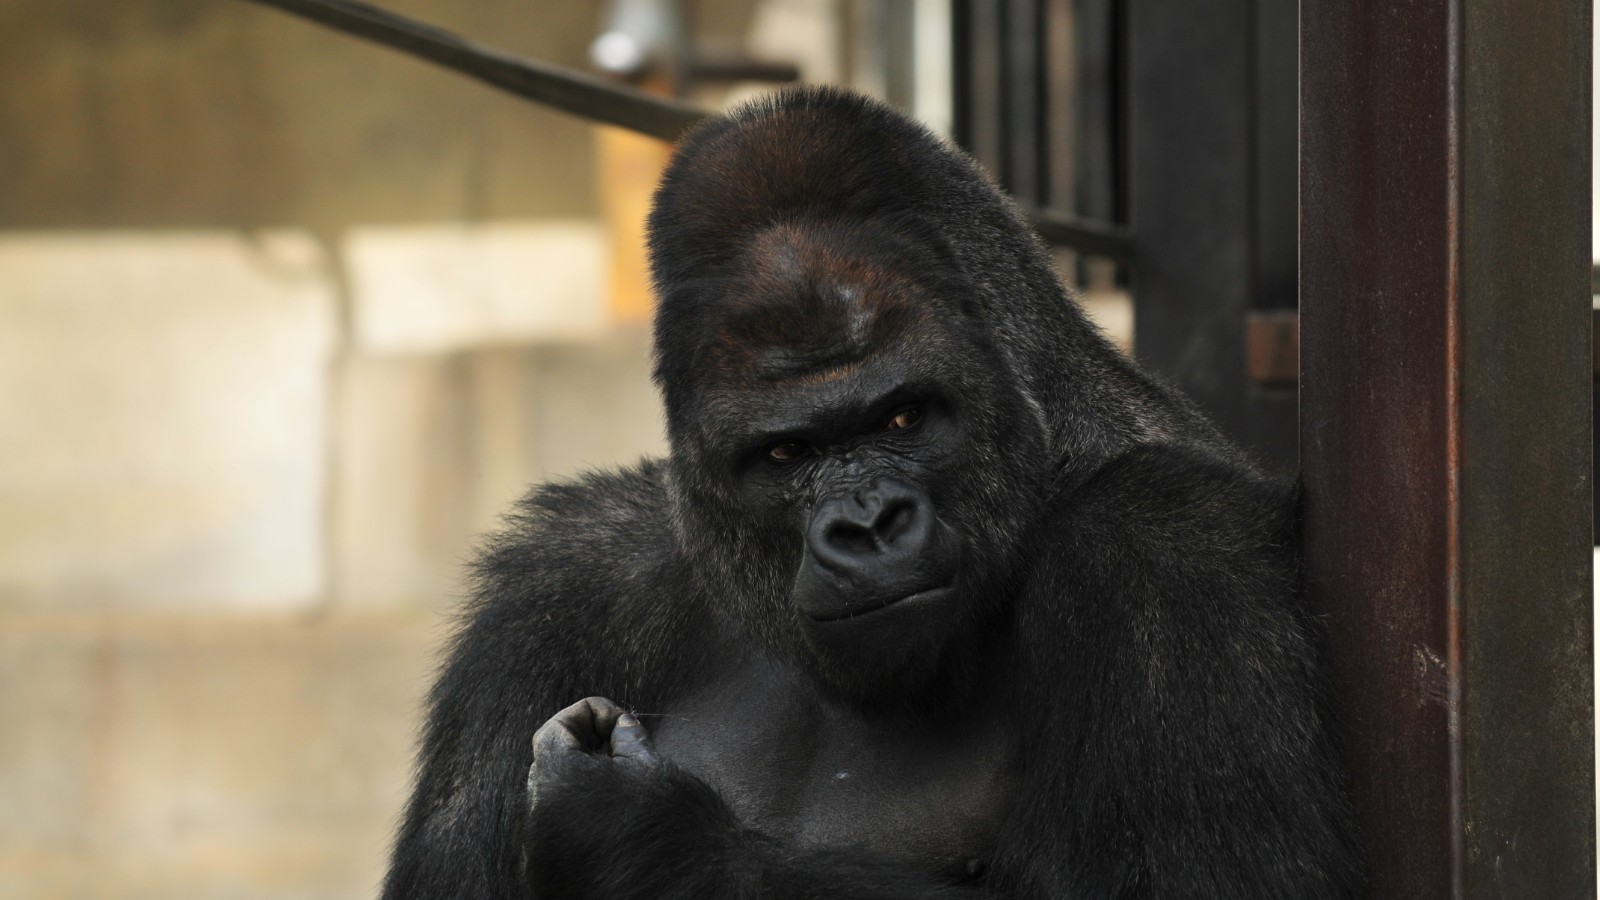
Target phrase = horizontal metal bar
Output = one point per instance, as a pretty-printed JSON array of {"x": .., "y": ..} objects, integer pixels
[
  {"x": 1084, "y": 235},
  {"x": 1272, "y": 347},
  {"x": 565, "y": 89}
]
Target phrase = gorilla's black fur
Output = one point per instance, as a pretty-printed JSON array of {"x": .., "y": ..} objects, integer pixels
[{"x": 1087, "y": 671}]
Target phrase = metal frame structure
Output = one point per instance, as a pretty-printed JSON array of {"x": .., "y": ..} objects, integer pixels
[
  {"x": 1445, "y": 370},
  {"x": 1160, "y": 135},
  {"x": 1040, "y": 102}
]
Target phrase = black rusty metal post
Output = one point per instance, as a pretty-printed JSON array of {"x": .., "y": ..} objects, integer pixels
[{"x": 1445, "y": 431}]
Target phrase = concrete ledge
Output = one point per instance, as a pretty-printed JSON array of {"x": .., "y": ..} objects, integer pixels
[
  {"x": 170, "y": 756},
  {"x": 162, "y": 405},
  {"x": 439, "y": 288}
]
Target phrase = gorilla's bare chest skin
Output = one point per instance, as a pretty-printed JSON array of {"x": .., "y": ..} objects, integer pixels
[{"x": 818, "y": 775}]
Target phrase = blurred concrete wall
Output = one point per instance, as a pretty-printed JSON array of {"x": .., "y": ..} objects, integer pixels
[
  {"x": 216, "y": 113},
  {"x": 285, "y": 320}
]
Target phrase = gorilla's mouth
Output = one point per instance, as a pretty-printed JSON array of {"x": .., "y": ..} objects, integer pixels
[{"x": 924, "y": 596}]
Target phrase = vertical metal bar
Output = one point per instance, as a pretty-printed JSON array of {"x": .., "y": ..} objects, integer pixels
[
  {"x": 1193, "y": 167},
  {"x": 1445, "y": 384},
  {"x": 961, "y": 74},
  {"x": 980, "y": 107},
  {"x": 1098, "y": 65},
  {"x": 1527, "y": 696},
  {"x": 1120, "y": 94},
  {"x": 1376, "y": 286},
  {"x": 1023, "y": 119},
  {"x": 1098, "y": 61},
  {"x": 1277, "y": 105},
  {"x": 1060, "y": 105}
]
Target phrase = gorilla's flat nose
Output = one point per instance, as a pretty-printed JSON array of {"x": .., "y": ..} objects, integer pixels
[{"x": 871, "y": 531}]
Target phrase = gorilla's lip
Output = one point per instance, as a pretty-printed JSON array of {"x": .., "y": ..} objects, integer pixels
[{"x": 924, "y": 595}]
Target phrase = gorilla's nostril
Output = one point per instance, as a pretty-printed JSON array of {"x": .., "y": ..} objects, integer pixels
[
  {"x": 876, "y": 533},
  {"x": 895, "y": 521},
  {"x": 847, "y": 537}
]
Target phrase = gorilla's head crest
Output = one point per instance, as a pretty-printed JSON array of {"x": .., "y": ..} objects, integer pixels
[
  {"x": 795, "y": 238},
  {"x": 827, "y": 155}
]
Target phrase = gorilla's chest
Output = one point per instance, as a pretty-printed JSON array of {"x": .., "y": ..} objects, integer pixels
[{"x": 797, "y": 768}]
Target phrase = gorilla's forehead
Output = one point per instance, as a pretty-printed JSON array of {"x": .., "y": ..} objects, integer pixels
[
  {"x": 811, "y": 300},
  {"x": 839, "y": 398}
]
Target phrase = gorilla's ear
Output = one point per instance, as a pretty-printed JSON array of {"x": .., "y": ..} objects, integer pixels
[{"x": 568, "y": 90}]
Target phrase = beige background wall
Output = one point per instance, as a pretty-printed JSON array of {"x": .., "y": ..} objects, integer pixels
[
  {"x": 285, "y": 321},
  {"x": 217, "y": 113}
]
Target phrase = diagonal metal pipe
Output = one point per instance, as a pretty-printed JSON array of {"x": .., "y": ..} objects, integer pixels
[{"x": 565, "y": 89}]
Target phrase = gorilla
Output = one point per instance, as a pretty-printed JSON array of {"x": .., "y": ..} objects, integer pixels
[{"x": 936, "y": 594}]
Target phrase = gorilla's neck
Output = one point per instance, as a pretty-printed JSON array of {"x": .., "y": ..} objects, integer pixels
[{"x": 942, "y": 684}]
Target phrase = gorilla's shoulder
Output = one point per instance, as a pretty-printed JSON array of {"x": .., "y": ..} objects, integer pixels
[
  {"x": 1189, "y": 494},
  {"x": 581, "y": 591},
  {"x": 597, "y": 541},
  {"x": 610, "y": 507}
]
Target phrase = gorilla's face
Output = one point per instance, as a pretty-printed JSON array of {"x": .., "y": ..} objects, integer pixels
[{"x": 867, "y": 456}]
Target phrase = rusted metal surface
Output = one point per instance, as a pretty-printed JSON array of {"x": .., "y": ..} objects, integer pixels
[
  {"x": 1527, "y": 699},
  {"x": 1445, "y": 431}
]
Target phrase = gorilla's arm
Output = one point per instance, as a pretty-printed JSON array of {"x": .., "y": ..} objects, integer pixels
[
  {"x": 610, "y": 819},
  {"x": 580, "y": 595},
  {"x": 549, "y": 621},
  {"x": 1179, "y": 732},
  {"x": 457, "y": 836},
  {"x": 1189, "y": 745}
]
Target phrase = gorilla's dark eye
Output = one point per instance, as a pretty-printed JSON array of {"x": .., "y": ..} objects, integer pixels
[
  {"x": 788, "y": 451},
  {"x": 905, "y": 418}
]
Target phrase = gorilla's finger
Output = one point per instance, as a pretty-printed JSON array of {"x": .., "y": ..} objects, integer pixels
[
  {"x": 630, "y": 742},
  {"x": 554, "y": 738},
  {"x": 586, "y": 725}
]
